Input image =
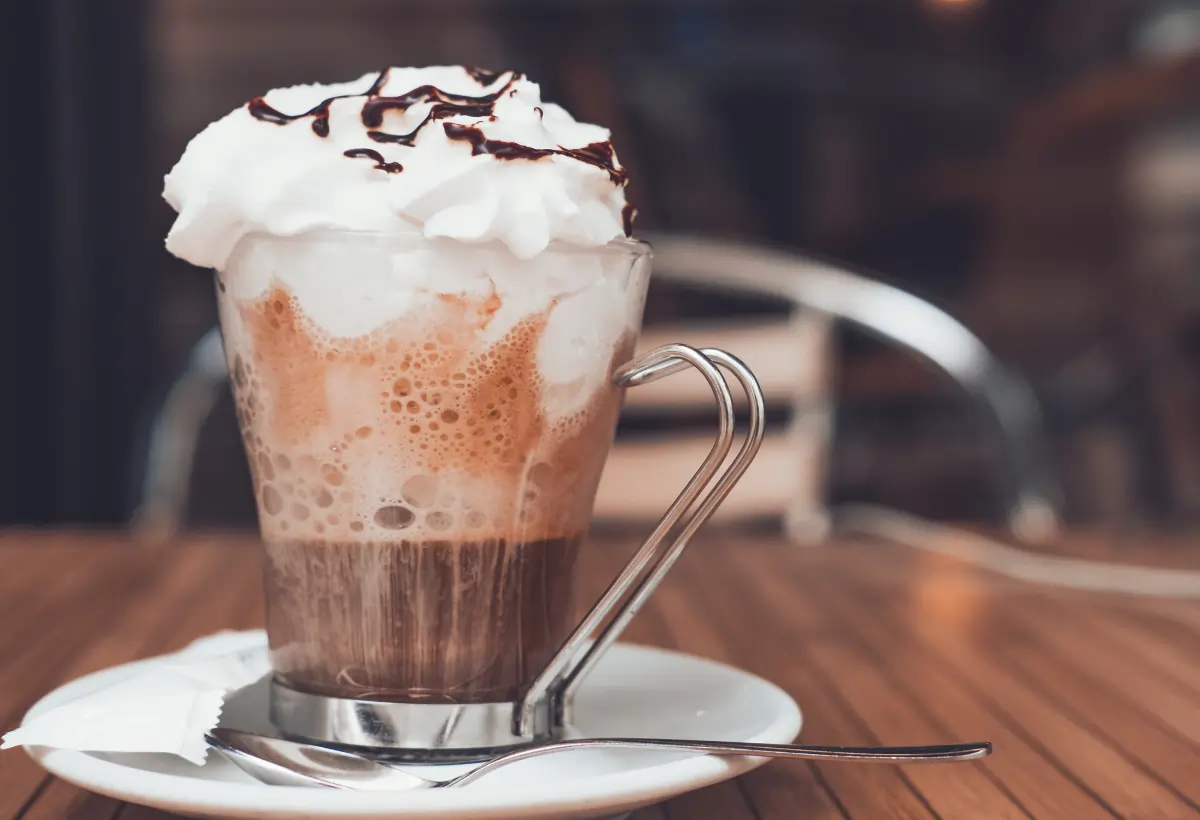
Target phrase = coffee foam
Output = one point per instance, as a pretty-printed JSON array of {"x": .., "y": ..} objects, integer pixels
[
  {"x": 452, "y": 416},
  {"x": 350, "y": 289}
]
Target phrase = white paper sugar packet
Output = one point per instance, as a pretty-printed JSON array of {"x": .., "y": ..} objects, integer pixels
[{"x": 167, "y": 708}]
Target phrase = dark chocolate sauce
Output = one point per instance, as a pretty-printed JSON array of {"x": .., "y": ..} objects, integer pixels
[
  {"x": 380, "y": 82},
  {"x": 372, "y": 112},
  {"x": 628, "y": 214},
  {"x": 373, "y": 108},
  {"x": 500, "y": 149},
  {"x": 443, "y": 110},
  {"x": 408, "y": 139},
  {"x": 484, "y": 76},
  {"x": 320, "y": 112},
  {"x": 439, "y": 112},
  {"x": 372, "y": 154},
  {"x": 599, "y": 154},
  {"x": 320, "y": 123},
  {"x": 261, "y": 111}
]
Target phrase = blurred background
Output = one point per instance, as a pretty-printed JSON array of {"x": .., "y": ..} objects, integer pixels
[{"x": 1031, "y": 166}]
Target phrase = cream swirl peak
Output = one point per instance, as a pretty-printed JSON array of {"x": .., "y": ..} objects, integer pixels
[{"x": 440, "y": 152}]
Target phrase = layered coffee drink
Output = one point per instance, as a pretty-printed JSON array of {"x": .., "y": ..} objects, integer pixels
[
  {"x": 424, "y": 483},
  {"x": 424, "y": 292}
]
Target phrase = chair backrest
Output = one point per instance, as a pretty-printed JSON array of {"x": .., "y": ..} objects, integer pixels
[
  {"x": 789, "y": 356},
  {"x": 791, "y": 359}
]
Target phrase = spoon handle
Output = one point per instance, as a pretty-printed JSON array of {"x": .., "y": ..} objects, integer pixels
[{"x": 947, "y": 753}]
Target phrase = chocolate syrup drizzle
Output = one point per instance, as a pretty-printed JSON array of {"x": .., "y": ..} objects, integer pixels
[
  {"x": 446, "y": 104},
  {"x": 500, "y": 149},
  {"x": 485, "y": 76},
  {"x": 373, "y": 108},
  {"x": 372, "y": 154},
  {"x": 628, "y": 214},
  {"x": 599, "y": 154},
  {"x": 439, "y": 111},
  {"x": 320, "y": 112}
]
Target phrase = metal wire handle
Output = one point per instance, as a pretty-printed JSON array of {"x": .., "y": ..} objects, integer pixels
[
  {"x": 703, "y": 512},
  {"x": 642, "y": 574}
]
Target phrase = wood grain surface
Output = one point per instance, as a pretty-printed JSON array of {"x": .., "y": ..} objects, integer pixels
[{"x": 1092, "y": 701}]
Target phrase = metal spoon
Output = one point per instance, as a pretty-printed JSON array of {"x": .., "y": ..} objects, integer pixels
[{"x": 288, "y": 763}]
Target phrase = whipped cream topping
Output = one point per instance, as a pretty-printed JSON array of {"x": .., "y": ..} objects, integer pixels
[{"x": 440, "y": 152}]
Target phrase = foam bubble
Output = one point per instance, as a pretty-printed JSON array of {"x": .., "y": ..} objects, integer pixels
[
  {"x": 420, "y": 490},
  {"x": 394, "y": 517},
  {"x": 439, "y": 521},
  {"x": 264, "y": 465}
]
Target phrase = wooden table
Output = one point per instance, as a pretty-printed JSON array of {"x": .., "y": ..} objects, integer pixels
[{"x": 1092, "y": 701}]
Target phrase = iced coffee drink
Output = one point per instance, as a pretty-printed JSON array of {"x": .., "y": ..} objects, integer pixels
[{"x": 424, "y": 289}]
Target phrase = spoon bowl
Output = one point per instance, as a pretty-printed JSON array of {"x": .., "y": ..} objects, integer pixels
[{"x": 280, "y": 762}]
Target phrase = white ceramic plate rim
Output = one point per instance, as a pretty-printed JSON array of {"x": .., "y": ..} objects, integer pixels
[{"x": 608, "y": 792}]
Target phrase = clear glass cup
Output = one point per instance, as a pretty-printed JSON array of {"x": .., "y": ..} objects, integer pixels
[{"x": 426, "y": 422}]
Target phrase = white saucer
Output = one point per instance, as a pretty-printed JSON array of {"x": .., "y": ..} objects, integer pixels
[{"x": 634, "y": 692}]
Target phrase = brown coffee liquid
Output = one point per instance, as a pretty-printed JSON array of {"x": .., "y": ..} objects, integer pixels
[{"x": 427, "y": 621}]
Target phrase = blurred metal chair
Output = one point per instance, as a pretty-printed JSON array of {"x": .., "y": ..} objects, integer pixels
[{"x": 790, "y": 356}]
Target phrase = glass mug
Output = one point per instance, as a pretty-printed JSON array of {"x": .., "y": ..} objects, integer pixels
[{"x": 426, "y": 422}]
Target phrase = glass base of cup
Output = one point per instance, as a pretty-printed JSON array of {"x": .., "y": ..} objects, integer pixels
[{"x": 413, "y": 732}]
